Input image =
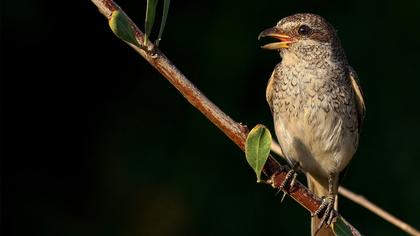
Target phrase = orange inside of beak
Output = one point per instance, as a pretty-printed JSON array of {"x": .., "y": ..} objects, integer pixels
[{"x": 285, "y": 40}]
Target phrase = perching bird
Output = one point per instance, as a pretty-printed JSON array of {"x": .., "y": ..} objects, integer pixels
[{"x": 317, "y": 106}]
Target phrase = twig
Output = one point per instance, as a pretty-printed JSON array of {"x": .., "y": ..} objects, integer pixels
[
  {"x": 275, "y": 147},
  {"x": 234, "y": 130},
  {"x": 359, "y": 199}
]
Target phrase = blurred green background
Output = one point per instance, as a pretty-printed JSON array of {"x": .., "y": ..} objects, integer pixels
[{"x": 96, "y": 142}]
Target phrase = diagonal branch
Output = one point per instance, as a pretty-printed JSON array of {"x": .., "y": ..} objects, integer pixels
[{"x": 235, "y": 131}]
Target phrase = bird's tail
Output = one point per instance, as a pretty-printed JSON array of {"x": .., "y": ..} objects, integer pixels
[{"x": 321, "y": 190}]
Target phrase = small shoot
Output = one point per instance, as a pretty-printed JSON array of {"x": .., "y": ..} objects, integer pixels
[
  {"x": 150, "y": 19},
  {"x": 166, "y": 4}
]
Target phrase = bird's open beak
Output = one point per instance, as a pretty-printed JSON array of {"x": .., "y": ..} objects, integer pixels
[{"x": 285, "y": 39}]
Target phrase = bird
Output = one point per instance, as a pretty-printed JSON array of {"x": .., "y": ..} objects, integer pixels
[{"x": 317, "y": 106}]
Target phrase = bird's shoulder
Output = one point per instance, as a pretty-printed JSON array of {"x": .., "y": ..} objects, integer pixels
[
  {"x": 358, "y": 96},
  {"x": 270, "y": 90}
]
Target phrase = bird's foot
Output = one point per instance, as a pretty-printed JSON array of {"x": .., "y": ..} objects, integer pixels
[
  {"x": 290, "y": 178},
  {"x": 327, "y": 208}
]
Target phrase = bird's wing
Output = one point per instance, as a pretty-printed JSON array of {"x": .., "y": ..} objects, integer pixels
[
  {"x": 269, "y": 92},
  {"x": 360, "y": 102}
]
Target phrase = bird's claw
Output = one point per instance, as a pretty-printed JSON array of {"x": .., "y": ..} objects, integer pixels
[
  {"x": 327, "y": 208},
  {"x": 290, "y": 178}
]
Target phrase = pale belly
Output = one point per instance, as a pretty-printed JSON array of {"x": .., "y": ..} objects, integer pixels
[{"x": 318, "y": 140}]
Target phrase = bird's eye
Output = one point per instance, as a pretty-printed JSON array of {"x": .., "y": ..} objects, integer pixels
[{"x": 304, "y": 30}]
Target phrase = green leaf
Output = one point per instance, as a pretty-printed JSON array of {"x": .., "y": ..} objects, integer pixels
[
  {"x": 166, "y": 4},
  {"x": 257, "y": 148},
  {"x": 121, "y": 26},
  {"x": 150, "y": 19},
  {"x": 340, "y": 228}
]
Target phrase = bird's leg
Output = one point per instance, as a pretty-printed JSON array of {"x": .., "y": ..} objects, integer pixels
[
  {"x": 327, "y": 206},
  {"x": 290, "y": 177}
]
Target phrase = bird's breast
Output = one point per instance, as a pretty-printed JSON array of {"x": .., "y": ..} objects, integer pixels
[{"x": 315, "y": 117}]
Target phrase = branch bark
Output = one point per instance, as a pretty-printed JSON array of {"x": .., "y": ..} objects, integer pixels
[{"x": 237, "y": 132}]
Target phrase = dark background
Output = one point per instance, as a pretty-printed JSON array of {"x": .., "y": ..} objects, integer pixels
[{"x": 96, "y": 142}]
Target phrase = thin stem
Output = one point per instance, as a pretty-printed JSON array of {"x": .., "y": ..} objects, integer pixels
[
  {"x": 359, "y": 199},
  {"x": 275, "y": 147}
]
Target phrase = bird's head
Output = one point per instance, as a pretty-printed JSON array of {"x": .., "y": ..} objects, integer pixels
[{"x": 303, "y": 35}]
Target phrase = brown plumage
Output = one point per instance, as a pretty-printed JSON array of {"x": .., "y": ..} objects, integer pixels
[{"x": 317, "y": 105}]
